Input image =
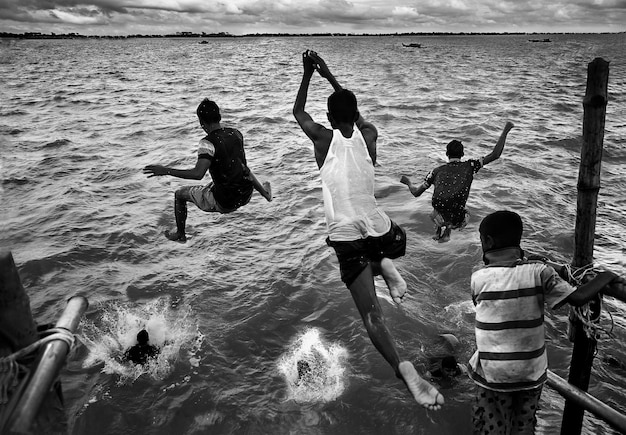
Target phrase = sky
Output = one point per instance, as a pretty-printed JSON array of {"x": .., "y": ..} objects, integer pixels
[{"x": 239, "y": 17}]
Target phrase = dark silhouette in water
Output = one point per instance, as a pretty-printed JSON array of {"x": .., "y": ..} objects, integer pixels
[{"x": 140, "y": 352}]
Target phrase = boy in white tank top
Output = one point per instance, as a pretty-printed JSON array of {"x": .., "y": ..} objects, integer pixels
[{"x": 364, "y": 238}]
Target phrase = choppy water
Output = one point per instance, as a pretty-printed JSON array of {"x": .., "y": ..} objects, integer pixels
[{"x": 233, "y": 307}]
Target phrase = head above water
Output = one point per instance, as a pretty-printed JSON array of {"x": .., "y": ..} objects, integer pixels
[
  {"x": 208, "y": 112},
  {"x": 454, "y": 149},
  {"x": 143, "y": 337},
  {"x": 501, "y": 229},
  {"x": 342, "y": 107}
]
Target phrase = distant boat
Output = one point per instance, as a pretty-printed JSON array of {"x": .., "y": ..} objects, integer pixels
[
  {"x": 412, "y": 44},
  {"x": 539, "y": 40},
  {"x": 204, "y": 41}
]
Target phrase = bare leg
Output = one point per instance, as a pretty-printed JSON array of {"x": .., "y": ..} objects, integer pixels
[
  {"x": 180, "y": 212},
  {"x": 364, "y": 295}
]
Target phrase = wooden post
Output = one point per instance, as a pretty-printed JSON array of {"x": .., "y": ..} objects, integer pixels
[{"x": 594, "y": 105}]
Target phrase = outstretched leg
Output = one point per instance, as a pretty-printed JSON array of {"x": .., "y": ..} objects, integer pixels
[
  {"x": 180, "y": 212},
  {"x": 364, "y": 295}
]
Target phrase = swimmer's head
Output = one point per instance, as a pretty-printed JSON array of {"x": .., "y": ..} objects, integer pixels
[
  {"x": 143, "y": 337},
  {"x": 501, "y": 229},
  {"x": 208, "y": 112},
  {"x": 454, "y": 149},
  {"x": 342, "y": 107}
]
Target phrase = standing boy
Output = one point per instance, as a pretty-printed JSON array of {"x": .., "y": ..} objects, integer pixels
[
  {"x": 510, "y": 365},
  {"x": 364, "y": 238},
  {"x": 221, "y": 153},
  {"x": 452, "y": 186}
]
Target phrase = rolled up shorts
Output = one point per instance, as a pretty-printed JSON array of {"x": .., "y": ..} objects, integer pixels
[
  {"x": 203, "y": 198},
  {"x": 354, "y": 256}
]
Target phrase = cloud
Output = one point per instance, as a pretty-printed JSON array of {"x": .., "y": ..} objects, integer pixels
[{"x": 296, "y": 16}]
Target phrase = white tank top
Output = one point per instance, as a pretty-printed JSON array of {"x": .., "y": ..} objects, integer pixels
[{"x": 348, "y": 188}]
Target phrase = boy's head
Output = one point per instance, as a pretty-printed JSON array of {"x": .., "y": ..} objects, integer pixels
[
  {"x": 208, "y": 112},
  {"x": 502, "y": 229},
  {"x": 143, "y": 337},
  {"x": 342, "y": 107},
  {"x": 454, "y": 150}
]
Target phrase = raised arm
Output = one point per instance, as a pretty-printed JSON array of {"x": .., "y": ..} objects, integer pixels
[
  {"x": 368, "y": 130},
  {"x": 310, "y": 127},
  {"x": 320, "y": 65},
  {"x": 497, "y": 150},
  {"x": 196, "y": 173}
]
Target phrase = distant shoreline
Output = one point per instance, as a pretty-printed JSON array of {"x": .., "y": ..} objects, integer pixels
[{"x": 203, "y": 35}]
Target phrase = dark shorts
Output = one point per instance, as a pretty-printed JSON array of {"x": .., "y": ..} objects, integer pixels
[
  {"x": 356, "y": 255},
  {"x": 495, "y": 412}
]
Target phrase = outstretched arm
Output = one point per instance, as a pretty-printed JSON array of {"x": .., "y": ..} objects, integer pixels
[
  {"x": 197, "y": 173},
  {"x": 587, "y": 291},
  {"x": 415, "y": 190},
  {"x": 264, "y": 189},
  {"x": 497, "y": 150}
]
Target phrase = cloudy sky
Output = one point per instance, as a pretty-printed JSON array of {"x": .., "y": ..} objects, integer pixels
[{"x": 124, "y": 17}]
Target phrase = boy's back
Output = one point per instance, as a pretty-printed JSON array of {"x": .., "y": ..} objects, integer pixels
[{"x": 509, "y": 295}]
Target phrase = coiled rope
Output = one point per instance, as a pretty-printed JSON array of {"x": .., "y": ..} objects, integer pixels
[{"x": 10, "y": 368}]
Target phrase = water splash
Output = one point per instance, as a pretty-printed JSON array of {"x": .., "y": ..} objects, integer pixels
[
  {"x": 314, "y": 371},
  {"x": 115, "y": 330}
]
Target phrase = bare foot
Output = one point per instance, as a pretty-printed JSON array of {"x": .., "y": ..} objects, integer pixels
[
  {"x": 175, "y": 237},
  {"x": 395, "y": 282},
  {"x": 423, "y": 392},
  {"x": 405, "y": 180},
  {"x": 268, "y": 189}
]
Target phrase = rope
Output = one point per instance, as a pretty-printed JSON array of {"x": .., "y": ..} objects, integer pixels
[
  {"x": 10, "y": 367},
  {"x": 584, "y": 313}
]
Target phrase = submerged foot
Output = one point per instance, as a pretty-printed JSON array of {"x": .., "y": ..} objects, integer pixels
[
  {"x": 175, "y": 236},
  {"x": 268, "y": 190},
  {"x": 423, "y": 392},
  {"x": 396, "y": 284}
]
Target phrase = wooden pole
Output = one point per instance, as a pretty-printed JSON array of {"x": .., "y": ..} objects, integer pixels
[
  {"x": 594, "y": 105},
  {"x": 616, "y": 419}
]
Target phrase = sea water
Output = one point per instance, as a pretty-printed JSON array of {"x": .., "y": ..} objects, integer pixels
[{"x": 253, "y": 292}]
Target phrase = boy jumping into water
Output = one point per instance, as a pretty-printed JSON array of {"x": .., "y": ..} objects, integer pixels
[
  {"x": 220, "y": 152},
  {"x": 364, "y": 238},
  {"x": 510, "y": 365},
  {"x": 452, "y": 186}
]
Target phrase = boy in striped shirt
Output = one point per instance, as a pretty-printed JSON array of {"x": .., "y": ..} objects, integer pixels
[{"x": 510, "y": 365}]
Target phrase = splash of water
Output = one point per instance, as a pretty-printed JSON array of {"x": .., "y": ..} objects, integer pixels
[
  {"x": 314, "y": 371},
  {"x": 115, "y": 330}
]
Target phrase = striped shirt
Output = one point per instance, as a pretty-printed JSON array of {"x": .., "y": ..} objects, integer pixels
[{"x": 509, "y": 295}]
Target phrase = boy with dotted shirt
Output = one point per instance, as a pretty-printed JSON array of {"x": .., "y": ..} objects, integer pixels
[{"x": 452, "y": 183}]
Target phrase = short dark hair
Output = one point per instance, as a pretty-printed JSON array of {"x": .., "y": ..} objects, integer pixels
[
  {"x": 504, "y": 227},
  {"x": 208, "y": 111},
  {"x": 454, "y": 149},
  {"x": 143, "y": 337},
  {"x": 342, "y": 106}
]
